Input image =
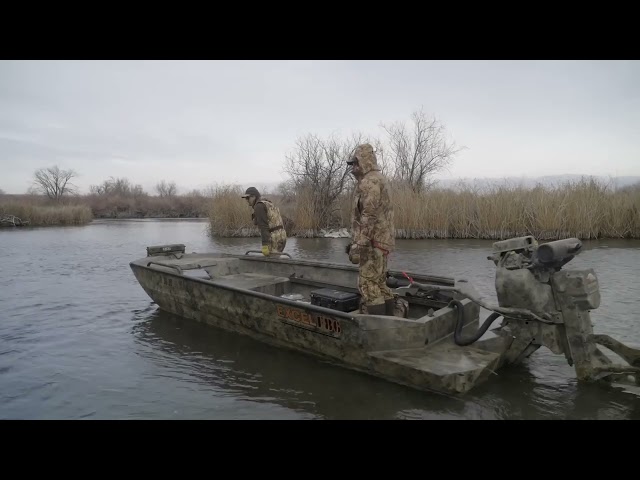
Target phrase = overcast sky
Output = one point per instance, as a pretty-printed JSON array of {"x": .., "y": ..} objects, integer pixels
[{"x": 205, "y": 122}]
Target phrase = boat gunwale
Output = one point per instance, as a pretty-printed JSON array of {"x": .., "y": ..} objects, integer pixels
[
  {"x": 449, "y": 281},
  {"x": 253, "y": 293},
  {"x": 140, "y": 263}
]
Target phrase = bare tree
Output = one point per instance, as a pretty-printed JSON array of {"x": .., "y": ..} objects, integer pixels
[
  {"x": 318, "y": 167},
  {"x": 419, "y": 151},
  {"x": 99, "y": 189},
  {"x": 54, "y": 183},
  {"x": 117, "y": 186},
  {"x": 165, "y": 189}
]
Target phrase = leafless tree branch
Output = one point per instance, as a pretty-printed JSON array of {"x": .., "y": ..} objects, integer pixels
[
  {"x": 54, "y": 183},
  {"x": 117, "y": 187},
  {"x": 418, "y": 151},
  {"x": 166, "y": 189},
  {"x": 319, "y": 167}
]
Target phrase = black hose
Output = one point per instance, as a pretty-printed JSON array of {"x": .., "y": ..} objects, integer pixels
[{"x": 458, "y": 331}]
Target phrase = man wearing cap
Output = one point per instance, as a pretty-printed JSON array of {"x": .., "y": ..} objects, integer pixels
[
  {"x": 372, "y": 230},
  {"x": 267, "y": 217}
]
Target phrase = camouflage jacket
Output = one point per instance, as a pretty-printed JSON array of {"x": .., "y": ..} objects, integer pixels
[
  {"x": 372, "y": 211},
  {"x": 267, "y": 217}
]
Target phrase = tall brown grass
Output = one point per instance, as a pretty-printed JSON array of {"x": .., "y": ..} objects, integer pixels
[
  {"x": 39, "y": 210},
  {"x": 298, "y": 212},
  {"x": 41, "y": 215},
  {"x": 229, "y": 214},
  {"x": 585, "y": 209},
  {"x": 123, "y": 206},
  {"x": 193, "y": 205}
]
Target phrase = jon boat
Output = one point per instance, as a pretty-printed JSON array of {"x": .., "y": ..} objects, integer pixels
[{"x": 434, "y": 342}]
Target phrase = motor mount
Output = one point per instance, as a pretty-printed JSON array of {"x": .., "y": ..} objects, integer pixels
[{"x": 530, "y": 276}]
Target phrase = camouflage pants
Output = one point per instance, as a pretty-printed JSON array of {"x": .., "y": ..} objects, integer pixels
[
  {"x": 278, "y": 240},
  {"x": 372, "y": 278}
]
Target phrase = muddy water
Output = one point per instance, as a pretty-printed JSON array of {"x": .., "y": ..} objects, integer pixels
[{"x": 80, "y": 339}]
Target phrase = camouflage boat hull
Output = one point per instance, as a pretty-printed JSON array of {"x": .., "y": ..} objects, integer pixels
[{"x": 243, "y": 294}]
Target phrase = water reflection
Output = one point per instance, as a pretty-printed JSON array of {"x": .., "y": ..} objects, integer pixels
[
  {"x": 250, "y": 370},
  {"x": 254, "y": 371}
]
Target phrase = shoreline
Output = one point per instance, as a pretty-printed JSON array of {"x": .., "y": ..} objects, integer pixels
[
  {"x": 341, "y": 233},
  {"x": 583, "y": 210}
]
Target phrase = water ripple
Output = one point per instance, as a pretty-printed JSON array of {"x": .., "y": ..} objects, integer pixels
[{"x": 80, "y": 339}]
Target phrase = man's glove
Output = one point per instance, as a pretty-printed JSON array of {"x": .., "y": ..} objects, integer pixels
[{"x": 266, "y": 250}]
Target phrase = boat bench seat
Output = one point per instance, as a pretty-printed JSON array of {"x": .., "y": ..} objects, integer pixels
[
  {"x": 222, "y": 266},
  {"x": 269, "y": 284}
]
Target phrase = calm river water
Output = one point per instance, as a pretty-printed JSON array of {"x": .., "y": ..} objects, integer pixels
[{"x": 80, "y": 339}]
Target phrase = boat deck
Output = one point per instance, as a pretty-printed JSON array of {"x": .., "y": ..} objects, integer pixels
[
  {"x": 443, "y": 363},
  {"x": 259, "y": 282}
]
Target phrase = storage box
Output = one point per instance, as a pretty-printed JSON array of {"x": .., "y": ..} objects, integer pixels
[
  {"x": 335, "y": 299},
  {"x": 171, "y": 249}
]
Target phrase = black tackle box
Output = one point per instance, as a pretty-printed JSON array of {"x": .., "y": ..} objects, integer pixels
[{"x": 335, "y": 299}]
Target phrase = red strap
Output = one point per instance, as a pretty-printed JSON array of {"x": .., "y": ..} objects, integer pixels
[
  {"x": 408, "y": 277},
  {"x": 377, "y": 245}
]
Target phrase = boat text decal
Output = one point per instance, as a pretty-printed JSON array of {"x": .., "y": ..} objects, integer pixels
[{"x": 310, "y": 321}]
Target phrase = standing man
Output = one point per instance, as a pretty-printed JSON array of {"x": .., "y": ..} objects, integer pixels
[
  {"x": 372, "y": 230},
  {"x": 267, "y": 217}
]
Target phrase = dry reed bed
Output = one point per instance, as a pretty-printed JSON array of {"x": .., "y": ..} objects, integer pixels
[
  {"x": 229, "y": 215},
  {"x": 46, "y": 215},
  {"x": 585, "y": 209},
  {"x": 121, "y": 206},
  {"x": 114, "y": 206}
]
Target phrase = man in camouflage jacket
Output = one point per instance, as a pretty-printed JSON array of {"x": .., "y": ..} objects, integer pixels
[
  {"x": 268, "y": 219},
  {"x": 372, "y": 230}
]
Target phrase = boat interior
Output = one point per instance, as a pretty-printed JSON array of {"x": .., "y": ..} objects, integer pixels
[{"x": 292, "y": 279}]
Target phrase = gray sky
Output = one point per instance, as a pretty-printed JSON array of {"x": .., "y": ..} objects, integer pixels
[{"x": 205, "y": 122}]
